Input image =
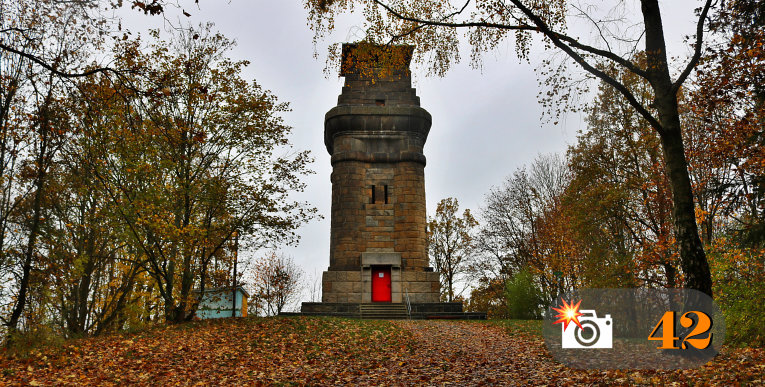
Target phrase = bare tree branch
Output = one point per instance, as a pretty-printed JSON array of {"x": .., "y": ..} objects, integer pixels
[
  {"x": 522, "y": 27},
  {"x": 557, "y": 41},
  {"x": 54, "y": 70},
  {"x": 696, "y": 50}
]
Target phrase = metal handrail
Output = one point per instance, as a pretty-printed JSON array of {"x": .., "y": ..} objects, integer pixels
[{"x": 408, "y": 304}]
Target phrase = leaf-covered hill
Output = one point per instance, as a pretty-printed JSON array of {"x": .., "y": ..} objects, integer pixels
[{"x": 337, "y": 351}]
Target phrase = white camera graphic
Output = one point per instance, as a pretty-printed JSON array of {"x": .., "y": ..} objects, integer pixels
[{"x": 596, "y": 332}]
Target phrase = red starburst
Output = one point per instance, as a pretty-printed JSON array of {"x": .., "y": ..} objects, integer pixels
[{"x": 568, "y": 313}]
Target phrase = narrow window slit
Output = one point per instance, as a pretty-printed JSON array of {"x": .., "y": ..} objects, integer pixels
[
  {"x": 373, "y": 195},
  {"x": 386, "y": 194}
]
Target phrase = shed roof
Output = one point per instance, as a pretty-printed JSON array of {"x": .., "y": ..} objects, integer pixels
[{"x": 224, "y": 289}]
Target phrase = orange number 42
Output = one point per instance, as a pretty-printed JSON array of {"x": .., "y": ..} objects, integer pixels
[{"x": 668, "y": 338}]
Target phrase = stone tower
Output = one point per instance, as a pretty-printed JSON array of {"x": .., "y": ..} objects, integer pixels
[{"x": 375, "y": 136}]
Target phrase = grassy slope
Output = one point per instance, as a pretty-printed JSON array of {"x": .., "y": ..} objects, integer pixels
[
  {"x": 264, "y": 349},
  {"x": 300, "y": 350}
]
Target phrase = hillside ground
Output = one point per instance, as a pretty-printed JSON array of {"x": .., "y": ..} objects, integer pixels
[{"x": 314, "y": 350}]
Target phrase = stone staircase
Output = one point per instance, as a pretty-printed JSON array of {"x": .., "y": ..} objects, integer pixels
[{"x": 383, "y": 311}]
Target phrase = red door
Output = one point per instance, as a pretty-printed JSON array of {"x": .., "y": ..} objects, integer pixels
[{"x": 381, "y": 284}]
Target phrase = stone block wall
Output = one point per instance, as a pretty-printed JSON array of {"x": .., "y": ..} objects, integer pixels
[
  {"x": 394, "y": 91},
  {"x": 422, "y": 286},
  {"x": 410, "y": 216},
  {"x": 341, "y": 286},
  {"x": 339, "y": 309},
  {"x": 356, "y": 286},
  {"x": 359, "y": 226}
]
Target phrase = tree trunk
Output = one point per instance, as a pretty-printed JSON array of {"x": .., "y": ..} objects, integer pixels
[
  {"x": 79, "y": 307},
  {"x": 669, "y": 271},
  {"x": 692, "y": 257},
  {"x": 26, "y": 270},
  {"x": 83, "y": 290},
  {"x": 169, "y": 299},
  {"x": 34, "y": 228}
]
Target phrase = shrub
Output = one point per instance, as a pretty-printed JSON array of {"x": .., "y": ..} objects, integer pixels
[
  {"x": 22, "y": 343},
  {"x": 523, "y": 297},
  {"x": 737, "y": 275}
]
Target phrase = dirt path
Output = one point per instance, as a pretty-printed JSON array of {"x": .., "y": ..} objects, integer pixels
[{"x": 470, "y": 353}]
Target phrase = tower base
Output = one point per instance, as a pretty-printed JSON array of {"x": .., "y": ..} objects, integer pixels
[
  {"x": 356, "y": 286},
  {"x": 419, "y": 310}
]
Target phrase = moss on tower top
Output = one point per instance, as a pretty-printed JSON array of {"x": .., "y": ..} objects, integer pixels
[{"x": 374, "y": 61}]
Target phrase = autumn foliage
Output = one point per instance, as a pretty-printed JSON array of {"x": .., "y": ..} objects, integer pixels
[
  {"x": 323, "y": 351},
  {"x": 123, "y": 190},
  {"x": 607, "y": 219}
]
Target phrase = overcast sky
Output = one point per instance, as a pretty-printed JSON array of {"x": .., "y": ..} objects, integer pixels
[{"x": 486, "y": 123}]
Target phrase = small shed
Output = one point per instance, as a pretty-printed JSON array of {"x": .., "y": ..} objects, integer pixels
[{"x": 218, "y": 302}]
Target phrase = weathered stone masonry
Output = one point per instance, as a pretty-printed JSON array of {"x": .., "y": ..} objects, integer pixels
[{"x": 375, "y": 136}]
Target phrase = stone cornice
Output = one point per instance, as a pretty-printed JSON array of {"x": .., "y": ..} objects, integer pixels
[
  {"x": 377, "y": 119},
  {"x": 378, "y": 157}
]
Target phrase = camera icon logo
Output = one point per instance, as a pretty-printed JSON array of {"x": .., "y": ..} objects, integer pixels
[{"x": 592, "y": 331}]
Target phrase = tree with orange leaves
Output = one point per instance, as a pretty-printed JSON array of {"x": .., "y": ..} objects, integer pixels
[{"x": 450, "y": 243}]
